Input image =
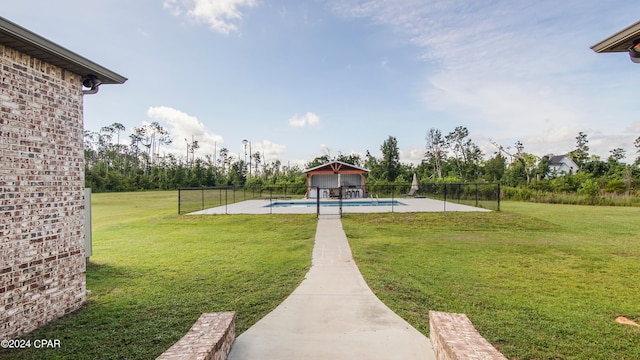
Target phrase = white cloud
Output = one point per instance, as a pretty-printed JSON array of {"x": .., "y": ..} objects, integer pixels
[
  {"x": 412, "y": 156},
  {"x": 502, "y": 105},
  {"x": 301, "y": 164},
  {"x": 509, "y": 70},
  {"x": 173, "y": 7},
  {"x": 184, "y": 126},
  {"x": 308, "y": 119},
  {"x": 325, "y": 150},
  {"x": 268, "y": 150},
  {"x": 221, "y": 15},
  {"x": 634, "y": 127}
]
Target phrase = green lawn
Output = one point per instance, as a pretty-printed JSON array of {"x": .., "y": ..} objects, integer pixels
[
  {"x": 538, "y": 281},
  {"x": 153, "y": 273}
]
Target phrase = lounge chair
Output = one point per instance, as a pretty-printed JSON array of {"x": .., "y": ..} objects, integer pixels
[{"x": 412, "y": 192}]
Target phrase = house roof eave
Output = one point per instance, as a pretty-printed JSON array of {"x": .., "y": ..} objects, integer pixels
[
  {"x": 620, "y": 41},
  {"x": 25, "y": 41}
]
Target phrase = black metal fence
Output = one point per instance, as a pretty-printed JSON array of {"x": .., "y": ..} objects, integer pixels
[
  {"x": 483, "y": 195},
  {"x": 199, "y": 198}
]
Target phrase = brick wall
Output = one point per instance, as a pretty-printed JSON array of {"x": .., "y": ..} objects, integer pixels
[
  {"x": 453, "y": 337},
  {"x": 210, "y": 338},
  {"x": 42, "y": 264}
]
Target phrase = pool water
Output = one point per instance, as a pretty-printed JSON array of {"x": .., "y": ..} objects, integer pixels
[{"x": 336, "y": 203}]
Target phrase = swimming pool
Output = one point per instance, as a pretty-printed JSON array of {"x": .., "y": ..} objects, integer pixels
[{"x": 335, "y": 203}]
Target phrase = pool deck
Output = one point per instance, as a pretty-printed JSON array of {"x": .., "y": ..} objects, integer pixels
[{"x": 412, "y": 205}]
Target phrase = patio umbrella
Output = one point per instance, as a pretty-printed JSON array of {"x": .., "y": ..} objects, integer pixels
[{"x": 414, "y": 183}]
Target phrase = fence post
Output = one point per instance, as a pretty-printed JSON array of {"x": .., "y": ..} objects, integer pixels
[
  {"x": 498, "y": 196},
  {"x": 393, "y": 196},
  {"x": 178, "y": 201},
  {"x": 444, "y": 204},
  {"x": 226, "y": 199},
  {"x": 318, "y": 202},
  {"x": 340, "y": 200},
  {"x": 202, "y": 196},
  {"x": 476, "y": 194}
]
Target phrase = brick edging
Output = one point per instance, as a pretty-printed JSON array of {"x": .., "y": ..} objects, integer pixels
[
  {"x": 210, "y": 338},
  {"x": 454, "y": 337}
]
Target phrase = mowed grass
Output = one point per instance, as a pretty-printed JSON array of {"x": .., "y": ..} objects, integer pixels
[
  {"x": 153, "y": 273},
  {"x": 538, "y": 281}
]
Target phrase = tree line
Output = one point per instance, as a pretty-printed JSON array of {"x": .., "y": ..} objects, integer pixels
[{"x": 116, "y": 164}]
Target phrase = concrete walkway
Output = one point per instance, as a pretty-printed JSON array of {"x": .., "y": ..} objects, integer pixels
[{"x": 332, "y": 315}]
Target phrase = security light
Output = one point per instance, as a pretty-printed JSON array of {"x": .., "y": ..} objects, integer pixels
[
  {"x": 91, "y": 82},
  {"x": 634, "y": 51}
]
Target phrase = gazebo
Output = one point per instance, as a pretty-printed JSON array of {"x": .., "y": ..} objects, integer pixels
[{"x": 327, "y": 179}]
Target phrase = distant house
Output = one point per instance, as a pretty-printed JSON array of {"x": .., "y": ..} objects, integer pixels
[
  {"x": 327, "y": 179},
  {"x": 562, "y": 165}
]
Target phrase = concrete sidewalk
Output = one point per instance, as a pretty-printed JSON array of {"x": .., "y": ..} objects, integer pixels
[{"x": 332, "y": 315}]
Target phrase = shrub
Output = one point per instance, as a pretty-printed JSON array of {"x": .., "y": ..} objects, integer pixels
[
  {"x": 518, "y": 194},
  {"x": 589, "y": 188},
  {"x": 615, "y": 186}
]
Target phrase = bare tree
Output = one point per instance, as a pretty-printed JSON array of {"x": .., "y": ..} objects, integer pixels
[
  {"x": 257, "y": 159},
  {"x": 467, "y": 154},
  {"x": 137, "y": 135},
  {"x": 617, "y": 154},
  {"x": 118, "y": 128},
  {"x": 435, "y": 150},
  {"x": 637, "y": 145},
  {"x": 191, "y": 149},
  {"x": 581, "y": 153},
  {"x": 505, "y": 150},
  {"x": 224, "y": 158},
  {"x": 105, "y": 138}
]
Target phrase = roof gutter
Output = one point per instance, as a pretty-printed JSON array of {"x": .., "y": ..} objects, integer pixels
[
  {"x": 25, "y": 41},
  {"x": 620, "y": 41}
]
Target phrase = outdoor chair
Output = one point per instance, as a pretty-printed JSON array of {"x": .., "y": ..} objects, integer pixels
[{"x": 411, "y": 192}]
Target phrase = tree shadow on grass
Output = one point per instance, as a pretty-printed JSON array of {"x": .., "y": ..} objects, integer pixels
[{"x": 113, "y": 323}]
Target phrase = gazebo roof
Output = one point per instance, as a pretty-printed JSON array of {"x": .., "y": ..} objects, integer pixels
[{"x": 336, "y": 166}]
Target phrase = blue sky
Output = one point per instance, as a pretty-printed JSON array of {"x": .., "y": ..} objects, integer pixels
[{"x": 302, "y": 79}]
